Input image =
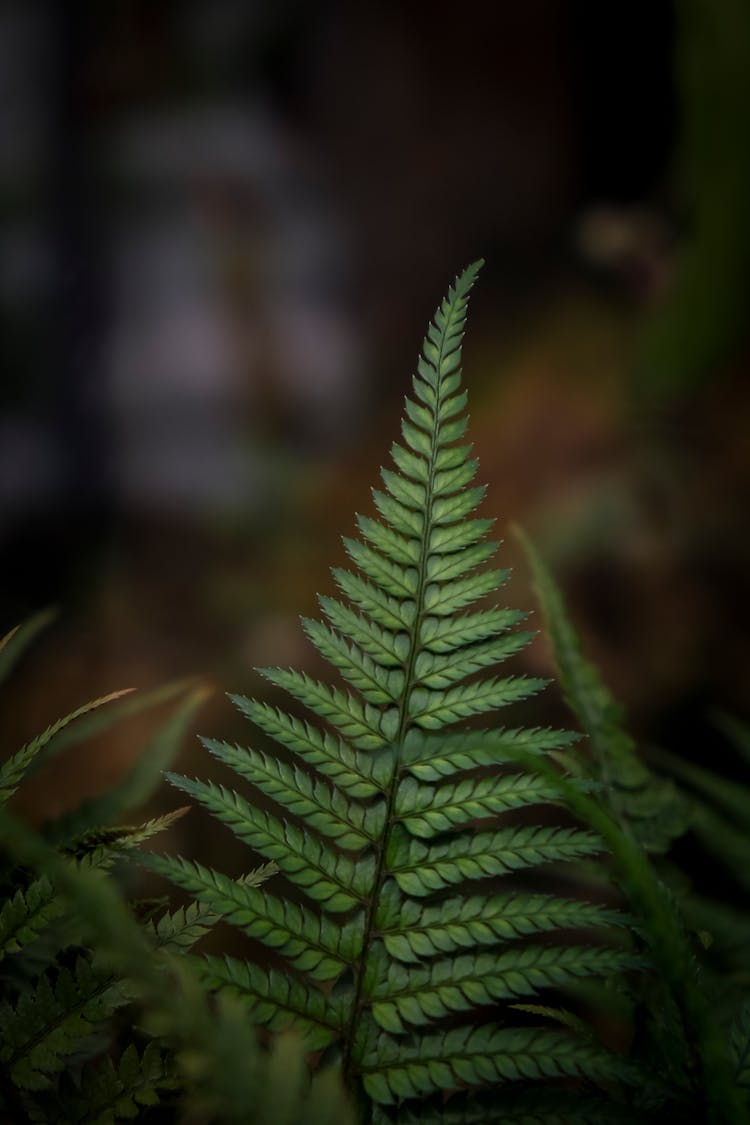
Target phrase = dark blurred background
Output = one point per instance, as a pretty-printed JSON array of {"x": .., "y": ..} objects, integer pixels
[{"x": 223, "y": 227}]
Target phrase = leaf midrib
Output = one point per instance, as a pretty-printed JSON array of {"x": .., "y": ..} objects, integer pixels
[{"x": 381, "y": 870}]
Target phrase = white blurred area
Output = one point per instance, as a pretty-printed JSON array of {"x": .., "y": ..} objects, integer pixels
[
  {"x": 228, "y": 282},
  {"x": 226, "y": 277}
]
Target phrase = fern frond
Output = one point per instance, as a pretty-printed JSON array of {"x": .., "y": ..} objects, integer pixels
[
  {"x": 376, "y": 684},
  {"x": 389, "y": 649},
  {"x": 388, "y": 612},
  {"x": 15, "y": 768},
  {"x": 55, "y": 1020},
  {"x": 443, "y": 599},
  {"x": 652, "y": 807},
  {"x": 132, "y": 837},
  {"x": 454, "y": 634},
  {"x": 139, "y": 783},
  {"x": 180, "y": 929},
  {"x": 27, "y": 914},
  {"x": 384, "y": 800},
  {"x": 107, "y": 1091}
]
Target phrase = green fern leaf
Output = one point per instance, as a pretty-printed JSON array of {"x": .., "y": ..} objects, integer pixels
[
  {"x": 329, "y": 811},
  {"x": 430, "y": 758},
  {"x": 276, "y": 1000},
  {"x": 107, "y": 1092},
  {"x": 362, "y": 724},
  {"x": 654, "y": 810},
  {"x": 55, "y": 1020},
  {"x": 26, "y": 914},
  {"x": 457, "y": 984},
  {"x": 428, "y": 810},
  {"x": 441, "y": 670},
  {"x": 412, "y": 931},
  {"x": 421, "y": 869},
  {"x": 138, "y": 785},
  {"x": 386, "y": 648},
  {"x": 394, "y": 1069},
  {"x": 326, "y": 875},
  {"x": 433, "y": 710},
  {"x": 353, "y": 772},
  {"x": 14, "y": 769},
  {"x": 454, "y": 634},
  {"x": 376, "y": 684},
  {"x": 384, "y": 801},
  {"x": 314, "y": 944}
]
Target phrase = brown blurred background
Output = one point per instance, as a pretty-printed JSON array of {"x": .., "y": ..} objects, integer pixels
[{"x": 223, "y": 226}]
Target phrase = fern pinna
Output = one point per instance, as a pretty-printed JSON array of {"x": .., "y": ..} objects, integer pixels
[{"x": 399, "y": 950}]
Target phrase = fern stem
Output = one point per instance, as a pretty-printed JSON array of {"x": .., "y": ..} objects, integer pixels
[{"x": 409, "y": 679}]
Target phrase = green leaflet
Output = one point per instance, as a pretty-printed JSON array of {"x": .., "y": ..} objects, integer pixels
[
  {"x": 350, "y": 823},
  {"x": 453, "y": 635},
  {"x": 435, "y": 709},
  {"x": 110, "y": 1091},
  {"x": 652, "y": 807},
  {"x": 389, "y": 649},
  {"x": 314, "y": 944},
  {"x": 363, "y": 724},
  {"x": 142, "y": 778},
  {"x": 374, "y": 803},
  {"x": 14, "y": 769},
  {"x": 421, "y": 869},
  {"x": 57, "y": 1018},
  {"x": 326, "y": 875},
  {"x": 24, "y": 916},
  {"x": 426, "y": 994},
  {"x": 377, "y": 684},
  {"x": 430, "y": 757},
  {"x": 427, "y": 810},
  {"x": 413, "y": 931},
  {"x": 440, "y": 670},
  {"x": 275, "y": 999},
  {"x": 477, "y": 1056},
  {"x": 353, "y": 772}
]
